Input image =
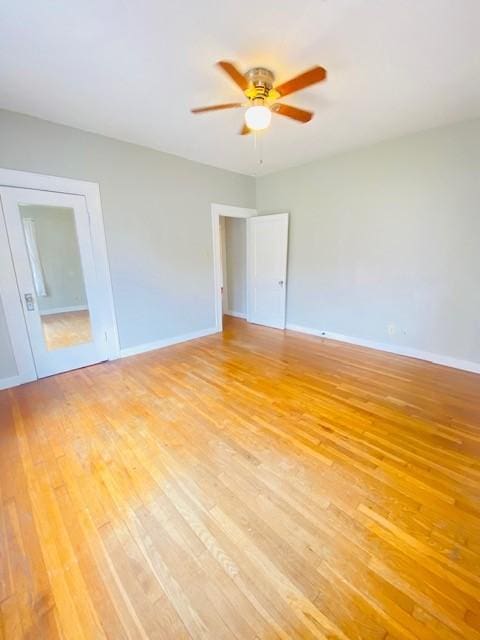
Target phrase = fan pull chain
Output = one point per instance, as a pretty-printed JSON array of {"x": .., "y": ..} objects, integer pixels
[{"x": 258, "y": 145}]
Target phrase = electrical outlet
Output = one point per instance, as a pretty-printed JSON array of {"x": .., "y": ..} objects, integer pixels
[{"x": 391, "y": 329}]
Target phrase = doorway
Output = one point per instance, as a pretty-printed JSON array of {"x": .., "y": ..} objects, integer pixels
[
  {"x": 233, "y": 243},
  {"x": 256, "y": 246},
  {"x": 53, "y": 284}
]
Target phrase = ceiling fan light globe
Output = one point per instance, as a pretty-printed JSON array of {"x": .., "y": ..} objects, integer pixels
[{"x": 258, "y": 117}]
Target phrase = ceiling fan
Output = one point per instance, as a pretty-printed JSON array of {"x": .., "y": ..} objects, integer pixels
[{"x": 257, "y": 86}]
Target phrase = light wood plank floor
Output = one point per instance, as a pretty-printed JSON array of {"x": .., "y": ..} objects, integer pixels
[{"x": 255, "y": 484}]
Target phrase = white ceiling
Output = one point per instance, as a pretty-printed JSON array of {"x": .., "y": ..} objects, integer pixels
[{"x": 131, "y": 69}]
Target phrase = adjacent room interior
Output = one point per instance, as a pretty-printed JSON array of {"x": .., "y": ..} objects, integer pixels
[
  {"x": 233, "y": 239},
  {"x": 240, "y": 320}
]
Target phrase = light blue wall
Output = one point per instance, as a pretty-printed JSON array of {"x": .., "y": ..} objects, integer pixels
[
  {"x": 383, "y": 235},
  {"x": 157, "y": 219},
  {"x": 388, "y": 234}
]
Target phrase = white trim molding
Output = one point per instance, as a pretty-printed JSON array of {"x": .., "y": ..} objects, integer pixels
[
  {"x": 228, "y": 211},
  {"x": 54, "y": 310},
  {"x": 15, "y": 381},
  {"x": 446, "y": 361},
  {"x": 236, "y": 314},
  {"x": 166, "y": 342}
]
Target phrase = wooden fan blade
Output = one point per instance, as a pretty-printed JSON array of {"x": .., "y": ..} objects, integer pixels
[
  {"x": 234, "y": 74},
  {"x": 244, "y": 130},
  {"x": 217, "y": 107},
  {"x": 292, "y": 112},
  {"x": 312, "y": 76}
]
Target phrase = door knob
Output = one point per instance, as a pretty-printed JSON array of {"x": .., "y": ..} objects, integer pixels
[
  {"x": 280, "y": 282},
  {"x": 29, "y": 302}
]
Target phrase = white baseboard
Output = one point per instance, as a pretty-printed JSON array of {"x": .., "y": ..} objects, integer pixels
[
  {"x": 51, "y": 312},
  {"x": 236, "y": 314},
  {"x": 14, "y": 381},
  {"x": 447, "y": 361},
  {"x": 167, "y": 342}
]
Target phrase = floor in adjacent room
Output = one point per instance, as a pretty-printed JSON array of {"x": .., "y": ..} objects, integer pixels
[
  {"x": 66, "y": 329},
  {"x": 251, "y": 484}
]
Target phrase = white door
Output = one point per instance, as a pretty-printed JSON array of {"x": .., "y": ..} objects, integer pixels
[
  {"x": 51, "y": 248},
  {"x": 267, "y": 244}
]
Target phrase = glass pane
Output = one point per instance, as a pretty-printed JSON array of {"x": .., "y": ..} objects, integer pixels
[{"x": 59, "y": 287}]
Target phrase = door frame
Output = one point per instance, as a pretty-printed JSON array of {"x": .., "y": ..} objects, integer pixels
[
  {"x": 9, "y": 294},
  {"x": 224, "y": 273},
  {"x": 229, "y": 211}
]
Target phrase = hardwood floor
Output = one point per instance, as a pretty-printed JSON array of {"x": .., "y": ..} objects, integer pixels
[{"x": 255, "y": 484}]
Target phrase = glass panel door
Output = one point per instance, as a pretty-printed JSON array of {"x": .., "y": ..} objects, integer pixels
[{"x": 49, "y": 235}]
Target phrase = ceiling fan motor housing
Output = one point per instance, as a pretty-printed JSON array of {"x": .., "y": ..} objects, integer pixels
[{"x": 260, "y": 82}]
